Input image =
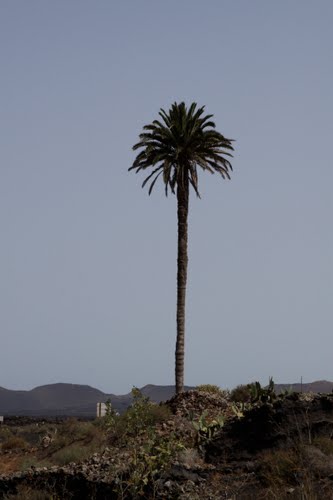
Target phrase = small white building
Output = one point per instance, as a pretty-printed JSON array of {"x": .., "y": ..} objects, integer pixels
[{"x": 101, "y": 409}]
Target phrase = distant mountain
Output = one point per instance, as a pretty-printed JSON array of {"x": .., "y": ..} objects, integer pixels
[
  {"x": 322, "y": 386},
  {"x": 71, "y": 399},
  {"x": 80, "y": 400},
  {"x": 53, "y": 399}
]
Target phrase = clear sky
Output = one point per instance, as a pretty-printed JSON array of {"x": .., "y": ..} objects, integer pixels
[{"x": 88, "y": 259}]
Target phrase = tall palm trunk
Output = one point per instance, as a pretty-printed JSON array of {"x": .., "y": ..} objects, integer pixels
[{"x": 182, "y": 259}]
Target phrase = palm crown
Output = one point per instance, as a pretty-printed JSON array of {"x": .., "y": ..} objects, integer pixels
[{"x": 184, "y": 140}]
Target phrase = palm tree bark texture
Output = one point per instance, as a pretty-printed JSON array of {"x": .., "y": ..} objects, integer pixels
[
  {"x": 184, "y": 140},
  {"x": 182, "y": 261}
]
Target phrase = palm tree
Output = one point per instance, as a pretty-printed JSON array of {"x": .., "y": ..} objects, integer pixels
[{"x": 175, "y": 147}]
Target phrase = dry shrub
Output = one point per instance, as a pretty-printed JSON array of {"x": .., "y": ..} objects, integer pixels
[
  {"x": 71, "y": 428},
  {"x": 190, "y": 457},
  {"x": 10, "y": 463},
  {"x": 70, "y": 454},
  {"x": 211, "y": 389},
  {"x": 280, "y": 467},
  {"x": 5, "y": 433},
  {"x": 72, "y": 431},
  {"x": 88, "y": 432},
  {"x": 32, "y": 461},
  {"x": 293, "y": 473},
  {"x": 14, "y": 443},
  {"x": 324, "y": 443},
  {"x": 159, "y": 414},
  {"x": 27, "y": 493},
  {"x": 316, "y": 461}
]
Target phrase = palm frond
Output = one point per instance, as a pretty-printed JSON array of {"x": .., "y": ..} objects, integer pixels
[
  {"x": 182, "y": 140},
  {"x": 153, "y": 183},
  {"x": 150, "y": 176}
]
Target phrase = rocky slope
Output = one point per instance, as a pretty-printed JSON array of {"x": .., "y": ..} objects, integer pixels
[{"x": 283, "y": 449}]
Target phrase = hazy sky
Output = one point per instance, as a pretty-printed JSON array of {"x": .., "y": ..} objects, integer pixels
[{"x": 88, "y": 259}]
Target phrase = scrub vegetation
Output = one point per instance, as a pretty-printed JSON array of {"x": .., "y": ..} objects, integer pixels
[{"x": 205, "y": 443}]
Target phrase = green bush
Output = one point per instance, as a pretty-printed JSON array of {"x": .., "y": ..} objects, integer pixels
[
  {"x": 262, "y": 394},
  {"x": 253, "y": 393},
  {"x": 206, "y": 428},
  {"x": 143, "y": 414},
  {"x": 139, "y": 419},
  {"x": 241, "y": 394},
  {"x": 145, "y": 464}
]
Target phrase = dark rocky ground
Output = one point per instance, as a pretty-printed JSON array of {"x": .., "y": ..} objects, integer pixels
[{"x": 281, "y": 450}]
